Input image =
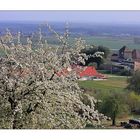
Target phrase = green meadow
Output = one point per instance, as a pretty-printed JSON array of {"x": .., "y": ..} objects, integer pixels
[
  {"x": 107, "y": 41},
  {"x": 112, "y": 83},
  {"x": 112, "y": 42}
]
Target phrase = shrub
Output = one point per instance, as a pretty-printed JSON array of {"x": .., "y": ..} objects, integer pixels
[
  {"x": 133, "y": 100},
  {"x": 134, "y": 82},
  {"x": 113, "y": 105}
]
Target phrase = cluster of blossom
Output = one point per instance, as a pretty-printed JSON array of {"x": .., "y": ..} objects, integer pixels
[
  {"x": 32, "y": 95},
  {"x": 9, "y": 40}
]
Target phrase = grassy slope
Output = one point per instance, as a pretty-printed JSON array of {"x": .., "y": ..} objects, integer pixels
[{"x": 113, "y": 83}]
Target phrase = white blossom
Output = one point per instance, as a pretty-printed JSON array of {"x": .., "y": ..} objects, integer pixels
[{"x": 36, "y": 96}]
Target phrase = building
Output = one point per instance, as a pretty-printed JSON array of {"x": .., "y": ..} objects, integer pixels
[
  {"x": 83, "y": 73},
  {"x": 136, "y": 65},
  {"x": 125, "y": 53},
  {"x": 114, "y": 57},
  {"x": 136, "y": 54},
  {"x": 126, "y": 58},
  {"x": 90, "y": 73}
]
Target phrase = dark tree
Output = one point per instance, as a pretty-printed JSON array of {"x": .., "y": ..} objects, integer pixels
[{"x": 94, "y": 49}]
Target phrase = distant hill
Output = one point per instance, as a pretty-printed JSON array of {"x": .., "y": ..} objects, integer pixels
[{"x": 86, "y": 29}]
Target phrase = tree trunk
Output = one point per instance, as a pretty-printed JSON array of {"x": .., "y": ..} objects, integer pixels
[
  {"x": 16, "y": 108},
  {"x": 114, "y": 122},
  {"x": 114, "y": 119},
  {"x": 17, "y": 116}
]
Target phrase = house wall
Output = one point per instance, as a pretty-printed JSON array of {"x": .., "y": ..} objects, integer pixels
[
  {"x": 136, "y": 65},
  {"x": 127, "y": 55},
  {"x": 114, "y": 58},
  {"x": 134, "y": 54}
]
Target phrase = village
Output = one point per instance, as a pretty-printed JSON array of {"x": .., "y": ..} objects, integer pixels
[{"x": 126, "y": 58}]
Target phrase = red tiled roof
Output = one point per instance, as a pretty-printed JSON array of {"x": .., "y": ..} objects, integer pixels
[
  {"x": 90, "y": 71},
  {"x": 82, "y": 71}
]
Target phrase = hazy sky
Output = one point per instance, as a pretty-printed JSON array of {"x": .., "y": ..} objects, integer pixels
[{"x": 126, "y": 17}]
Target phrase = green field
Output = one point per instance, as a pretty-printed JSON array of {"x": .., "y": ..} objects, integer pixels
[
  {"x": 113, "y": 83},
  {"x": 107, "y": 41},
  {"x": 112, "y": 42}
]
